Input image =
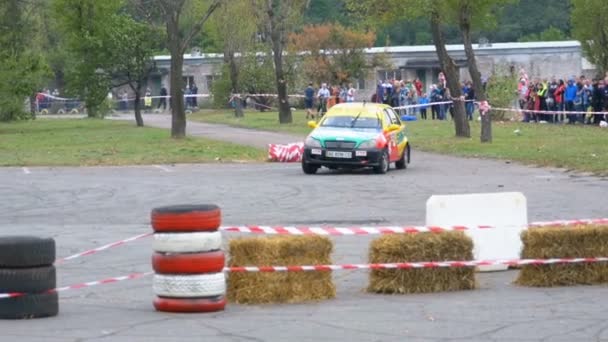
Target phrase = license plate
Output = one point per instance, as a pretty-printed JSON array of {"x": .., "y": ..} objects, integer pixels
[{"x": 339, "y": 154}]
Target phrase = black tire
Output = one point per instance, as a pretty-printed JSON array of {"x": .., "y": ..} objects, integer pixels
[
  {"x": 27, "y": 280},
  {"x": 384, "y": 165},
  {"x": 308, "y": 168},
  {"x": 402, "y": 162},
  {"x": 409, "y": 152},
  {"x": 30, "y": 306},
  {"x": 26, "y": 251}
]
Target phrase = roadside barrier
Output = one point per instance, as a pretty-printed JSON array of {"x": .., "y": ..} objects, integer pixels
[
  {"x": 289, "y": 153},
  {"x": 420, "y": 247},
  {"x": 26, "y": 267},
  {"x": 190, "y": 271},
  {"x": 188, "y": 261},
  {"x": 570, "y": 243},
  {"x": 258, "y": 288}
]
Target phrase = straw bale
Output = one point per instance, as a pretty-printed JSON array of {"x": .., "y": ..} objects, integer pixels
[
  {"x": 421, "y": 247},
  {"x": 282, "y": 287},
  {"x": 581, "y": 241}
]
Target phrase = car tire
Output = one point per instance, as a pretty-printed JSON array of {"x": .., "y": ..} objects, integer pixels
[
  {"x": 27, "y": 280},
  {"x": 26, "y": 251},
  {"x": 308, "y": 168},
  {"x": 210, "y": 304},
  {"x": 190, "y": 286},
  {"x": 186, "y": 218},
  {"x": 384, "y": 164},
  {"x": 188, "y": 263},
  {"x": 199, "y": 242},
  {"x": 30, "y": 306},
  {"x": 402, "y": 162}
]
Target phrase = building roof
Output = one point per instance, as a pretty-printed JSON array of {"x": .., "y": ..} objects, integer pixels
[
  {"x": 512, "y": 47},
  {"x": 493, "y": 46}
]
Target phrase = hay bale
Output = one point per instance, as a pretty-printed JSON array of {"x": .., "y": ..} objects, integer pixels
[
  {"x": 284, "y": 287},
  {"x": 564, "y": 242},
  {"x": 421, "y": 247}
]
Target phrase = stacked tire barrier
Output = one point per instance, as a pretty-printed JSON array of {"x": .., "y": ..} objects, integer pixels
[
  {"x": 188, "y": 261},
  {"x": 26, "y": 269}
]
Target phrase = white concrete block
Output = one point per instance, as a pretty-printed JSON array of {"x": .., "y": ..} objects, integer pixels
[{"x": 506, "y": 211}]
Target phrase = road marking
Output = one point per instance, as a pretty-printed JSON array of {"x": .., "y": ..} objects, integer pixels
[
  {"x": 163, "y": 168},
  {"x": 26, "y": 170}
]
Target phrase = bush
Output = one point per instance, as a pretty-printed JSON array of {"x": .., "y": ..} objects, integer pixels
[{"x": 502, "y": 91}]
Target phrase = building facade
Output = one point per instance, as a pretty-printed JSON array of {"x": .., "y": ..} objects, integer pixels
[{"x": 560, "y": 59}]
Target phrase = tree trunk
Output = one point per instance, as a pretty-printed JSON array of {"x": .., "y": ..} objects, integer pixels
[
  {"x": 137, "y": 106},
  {"x": 465, "y": 28},
  {"x": 33, "y": 106},
  {"x": 284, "y": 108},
  {"x": 276, "y": 36},
  {"x": 448, "y": 66},
  {"x": 178, "y": 116},
  {"x": 234, "y": 81}
]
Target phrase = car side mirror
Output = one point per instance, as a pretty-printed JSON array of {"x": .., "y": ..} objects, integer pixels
[
  {"x": 394, "y": 127},
  {"x": 312, "y": 124}
]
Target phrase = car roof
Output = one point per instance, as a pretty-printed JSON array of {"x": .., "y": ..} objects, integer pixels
[{"x": 354, "y": 108}]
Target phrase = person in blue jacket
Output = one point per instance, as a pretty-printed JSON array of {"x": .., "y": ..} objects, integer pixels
[
  {"x": 569, "y": 96},
  {"x": 423, "y": 101}
]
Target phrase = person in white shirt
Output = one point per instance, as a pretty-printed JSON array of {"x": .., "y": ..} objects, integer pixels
[
  {"x": 323, "y": 96},
  {"x": 350, "y": 95}
]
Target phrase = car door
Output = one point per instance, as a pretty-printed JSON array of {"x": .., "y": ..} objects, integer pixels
[
  {"x": 391, "y": 136},
  {"x": 399, "y": 135}
]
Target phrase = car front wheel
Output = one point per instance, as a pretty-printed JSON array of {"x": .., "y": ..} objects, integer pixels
[
  {"x": 308, "y": 168},
  {"x": 383, "y": 164}
]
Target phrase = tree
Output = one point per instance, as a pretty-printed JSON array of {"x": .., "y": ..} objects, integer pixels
[
  {"x": 84, "y": 25},
  {"x": 590, "y": 27},
  {"x": 133, "y": 46},
  {"x": 333, "y": 53},
  {"x": 277, "y": 18},
  {"x": 549, "y": 35},
  {"x": 437, "y": 14},
  {"x": 22, "y": 68},
  {"x": 479, "y": 12},
  {"x": 184, "y": 20},
  {"x": 235, "y": 39}
]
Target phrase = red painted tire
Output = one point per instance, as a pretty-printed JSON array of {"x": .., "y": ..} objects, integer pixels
[
  {"x": 186, "y": 218},
  {"x": 211, "y": 304},
  {"x": 188, "y": 263}
]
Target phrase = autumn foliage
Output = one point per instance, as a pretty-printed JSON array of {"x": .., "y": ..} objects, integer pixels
[{"x": 332, "y": 53}]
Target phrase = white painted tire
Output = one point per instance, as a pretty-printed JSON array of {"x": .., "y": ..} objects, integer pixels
[
  {"x": 191, "y": 286},
  {"x": 187, "y": 242}
]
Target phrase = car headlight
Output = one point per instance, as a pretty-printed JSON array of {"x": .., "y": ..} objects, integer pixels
[
  {"x": 368, "y": 144},
  {"x": 312, "y": 142}
]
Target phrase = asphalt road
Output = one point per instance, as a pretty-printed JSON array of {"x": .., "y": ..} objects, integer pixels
[{"x": 87, "y": 207}]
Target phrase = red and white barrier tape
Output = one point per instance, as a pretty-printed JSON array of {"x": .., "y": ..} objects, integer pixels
[
  {"x": 84, "y": 285},
  {"x": 326, "y": 230},
  {"x": 549, "y": 111},
  {"x": 102, "y": 248},
  {"x": 414, "y": 265}
]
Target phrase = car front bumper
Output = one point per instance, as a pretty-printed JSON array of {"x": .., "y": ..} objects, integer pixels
[{"x": 318, "y": 156}]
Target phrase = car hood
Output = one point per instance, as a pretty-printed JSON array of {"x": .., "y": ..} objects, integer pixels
[{"x": 344, "y": 134}]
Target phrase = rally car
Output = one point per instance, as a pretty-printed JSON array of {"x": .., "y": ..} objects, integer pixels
[{"x": 357, "y": 135}]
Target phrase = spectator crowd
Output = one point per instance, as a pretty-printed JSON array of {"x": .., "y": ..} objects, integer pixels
[{"x": 558, "y": 97}]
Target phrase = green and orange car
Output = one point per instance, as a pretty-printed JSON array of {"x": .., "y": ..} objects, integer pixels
[{"x": 357, "y": 135}]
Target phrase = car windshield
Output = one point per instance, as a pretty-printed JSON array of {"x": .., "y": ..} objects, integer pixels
[{"x": 351, "y": 122}]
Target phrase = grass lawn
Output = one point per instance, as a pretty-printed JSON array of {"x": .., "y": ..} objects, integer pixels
[
  {"x": 106, "y": 142},
  {"x": 572, "y": 147}
]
